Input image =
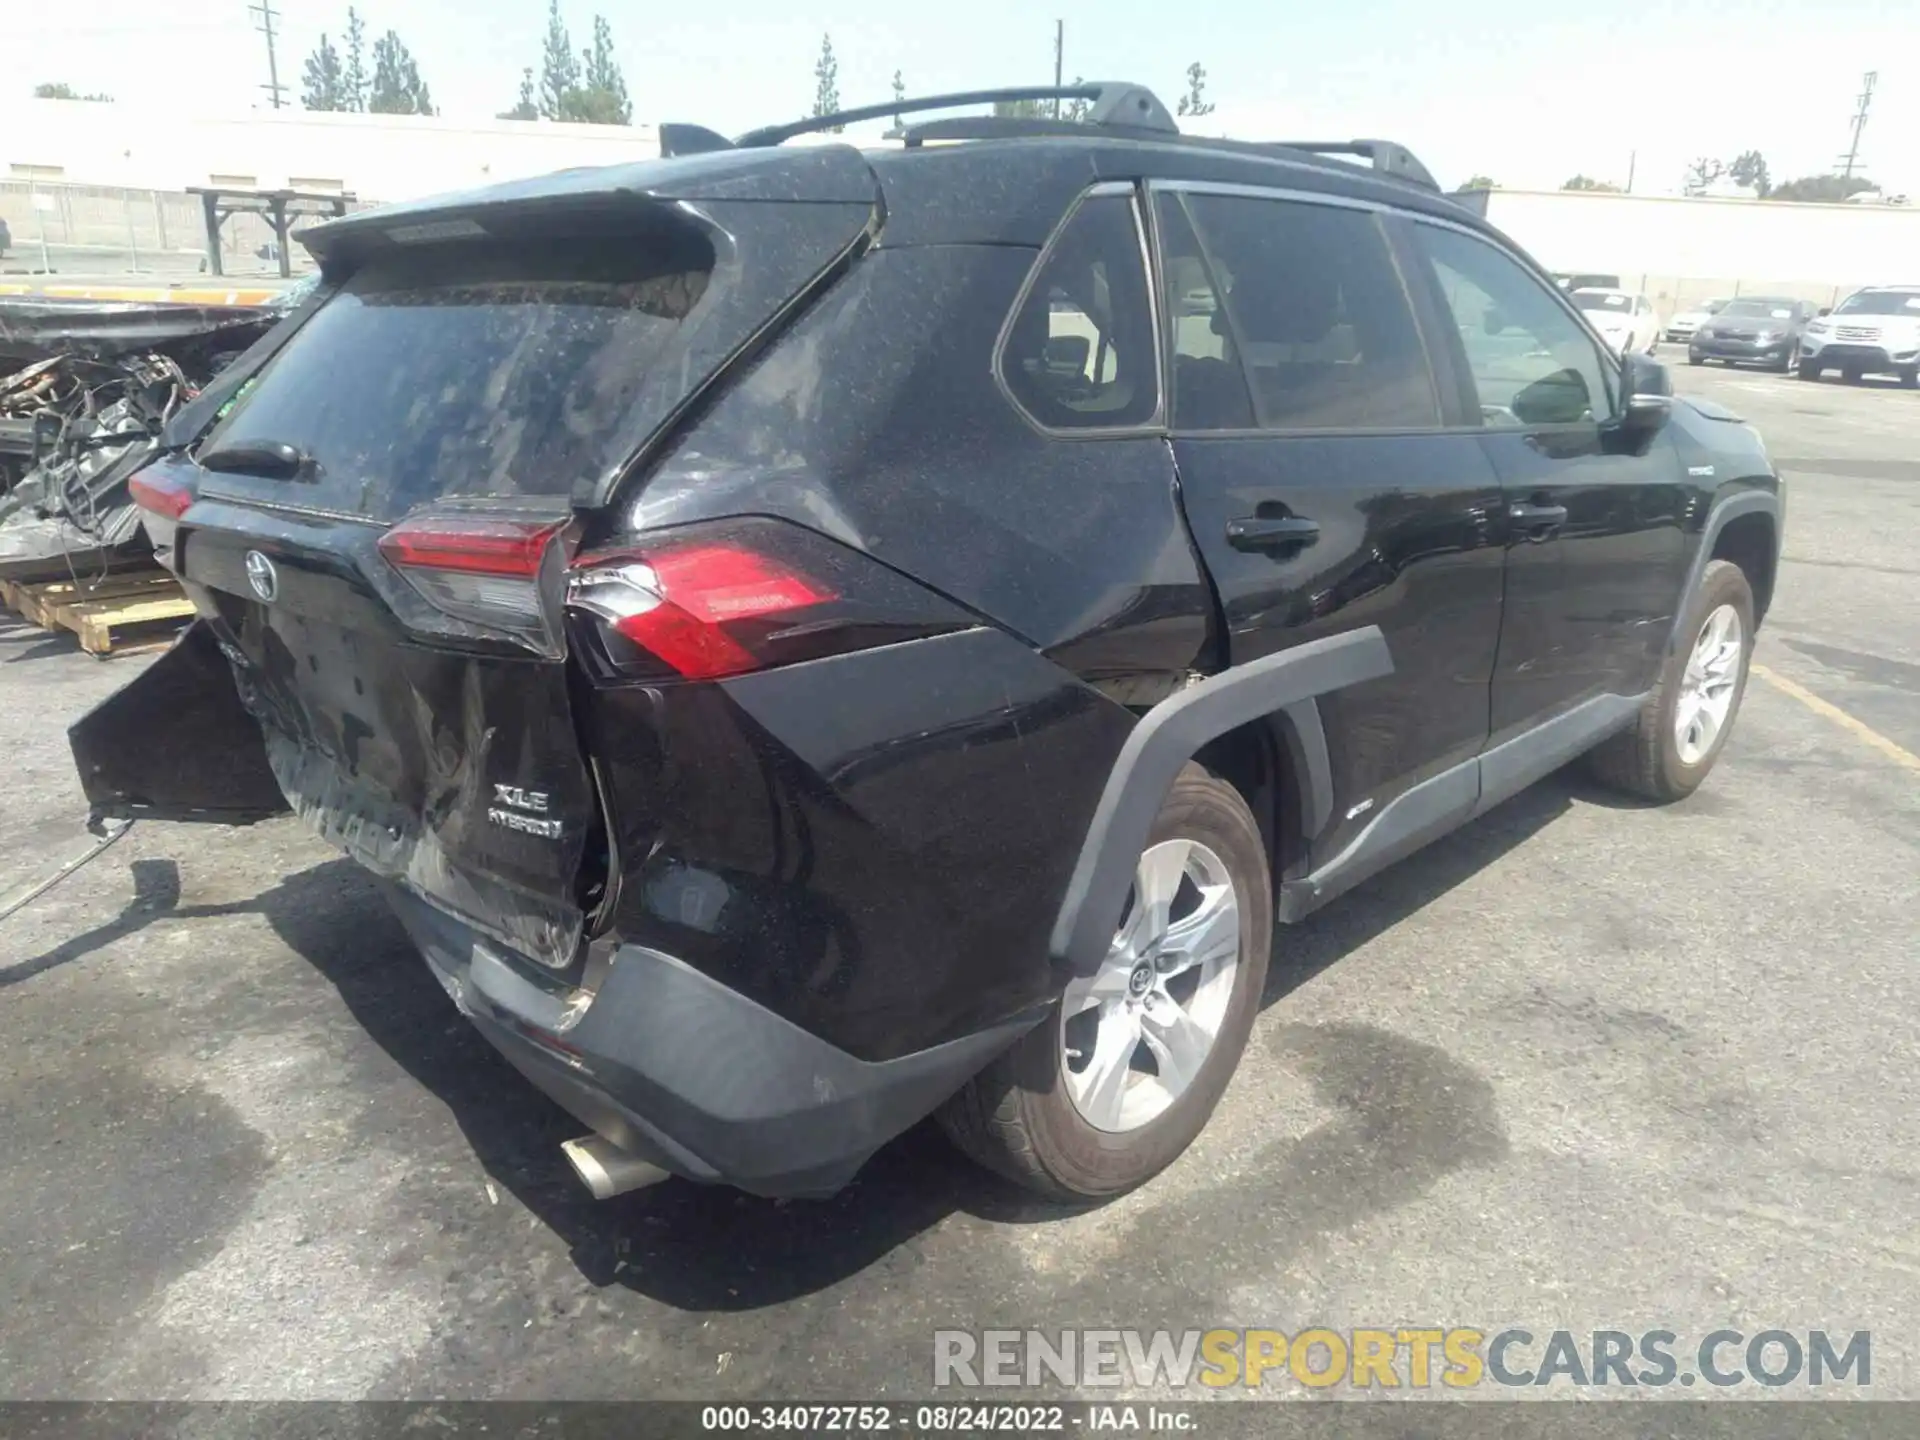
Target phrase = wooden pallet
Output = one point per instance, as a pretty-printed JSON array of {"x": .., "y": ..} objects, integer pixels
[{"x": 115, "y": 614}]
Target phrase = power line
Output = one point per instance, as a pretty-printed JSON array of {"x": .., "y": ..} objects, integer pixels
[
  {"x": 1859, "y": 124},
  {"x": 268, "y": 15}
]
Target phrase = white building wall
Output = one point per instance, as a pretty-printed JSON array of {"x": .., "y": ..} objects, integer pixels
[
  {"x": 377, "y": 157},
  {"x": 1687, "y": 248}
]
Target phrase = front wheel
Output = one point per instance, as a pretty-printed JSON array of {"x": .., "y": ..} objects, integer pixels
[
  {"x": 1108, "y": 1092},
  {"x": 1910, "y": 377},
  {"x": 1807, "y": 370},
  {"x": 1685, "y": 722}
]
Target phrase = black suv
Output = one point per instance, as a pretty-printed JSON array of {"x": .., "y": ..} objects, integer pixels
[{"x": 812, "y": 638}]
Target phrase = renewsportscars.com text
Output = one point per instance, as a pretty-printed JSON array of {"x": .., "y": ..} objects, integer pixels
[{"x": 1455, "y": 1358}]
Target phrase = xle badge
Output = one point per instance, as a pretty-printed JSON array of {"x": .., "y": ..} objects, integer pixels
[{"x": 515, "y": 808}]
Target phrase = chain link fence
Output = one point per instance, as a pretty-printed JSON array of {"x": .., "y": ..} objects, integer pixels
[{"x": 109, "y": 230}]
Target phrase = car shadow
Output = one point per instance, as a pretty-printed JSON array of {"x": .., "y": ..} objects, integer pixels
[{"x": 691, "y": 1247}]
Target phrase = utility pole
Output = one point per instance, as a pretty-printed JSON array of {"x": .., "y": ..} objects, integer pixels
[
  {"x": 1059, "y": 58},
  {"x": 1859, "y": 124},
  {"x": 268, "y": 15},
  {"x": 1632, "y": 157}
]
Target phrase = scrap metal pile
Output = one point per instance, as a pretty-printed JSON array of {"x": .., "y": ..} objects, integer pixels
[{"x": 90, "y": 387}]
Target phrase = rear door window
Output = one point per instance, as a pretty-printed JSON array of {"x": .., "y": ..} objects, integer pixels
[
  {"x": 1307, "y": 302},
  {"x": 1079, "y": 351},
  {"x": 481, "y": 369}
]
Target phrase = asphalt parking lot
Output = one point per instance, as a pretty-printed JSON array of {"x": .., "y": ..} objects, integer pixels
[{"x": 1580, "y": 1065}]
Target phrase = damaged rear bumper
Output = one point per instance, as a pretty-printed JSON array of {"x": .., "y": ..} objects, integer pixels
[{"x": 678, "y": 1070}]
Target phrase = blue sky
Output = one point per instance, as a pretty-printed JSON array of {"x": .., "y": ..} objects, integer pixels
[{"x": 1525, "y": 92}]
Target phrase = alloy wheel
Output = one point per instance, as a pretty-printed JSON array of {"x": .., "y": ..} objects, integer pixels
[
  {"x": 1708, "y": 684},
  {"x": 1136, "y": 1032}
]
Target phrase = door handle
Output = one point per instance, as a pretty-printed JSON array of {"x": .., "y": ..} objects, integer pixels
[
  {"x": 1273, "y": 534},
  {"x": 1537, "y": 522}
]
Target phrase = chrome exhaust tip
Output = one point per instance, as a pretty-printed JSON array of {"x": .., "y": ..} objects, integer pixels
[{"x": 606, "y": 1169}]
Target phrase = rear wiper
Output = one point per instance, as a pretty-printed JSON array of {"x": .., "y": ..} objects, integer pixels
[{"x": 270, "y": 459}]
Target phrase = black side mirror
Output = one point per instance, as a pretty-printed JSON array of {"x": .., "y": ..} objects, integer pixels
[
  {"x": 1826, "y": 310},
  {"x": 1646, "y": 399}
]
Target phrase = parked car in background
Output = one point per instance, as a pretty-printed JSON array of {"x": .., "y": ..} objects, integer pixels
[
  {"x": 1681, "y": 326},
  {"x": 1570, "y": 281},
  {"x": 6, "y": 238},
  {"x": 1873, "y": 331},
  {"x": 1626, "y": 322},
  {"x": 762, "y": 772},
  {"x": 1752, "y": 330}
]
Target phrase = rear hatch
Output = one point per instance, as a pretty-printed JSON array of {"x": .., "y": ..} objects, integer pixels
[{"x": 379, "y": 527}]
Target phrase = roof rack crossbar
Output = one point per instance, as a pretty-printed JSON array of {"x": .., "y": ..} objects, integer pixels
[
  {"x": 1112, "y": 103},
  {"x": 1386, "y": 156}
]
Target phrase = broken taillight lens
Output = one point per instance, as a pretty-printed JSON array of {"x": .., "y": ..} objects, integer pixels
[
  {"x": 729, "y": 597},
  {"x": 161, "y": 495},
  {"x": 498, "y": 571}
]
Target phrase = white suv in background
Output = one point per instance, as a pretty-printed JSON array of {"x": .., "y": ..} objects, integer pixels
[{"x": 1875, "y": 331}]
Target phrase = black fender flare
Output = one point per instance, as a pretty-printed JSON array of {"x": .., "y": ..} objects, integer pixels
[
  {"x": 1167, "y": 737},
  {"x": 1726, "y": 509}
]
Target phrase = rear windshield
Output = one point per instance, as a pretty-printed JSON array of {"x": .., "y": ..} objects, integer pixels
[
  {"x": 471, "y": 370},
  {"x": 1882, "y": 302},
  {"x": 1595, "y": 300}
]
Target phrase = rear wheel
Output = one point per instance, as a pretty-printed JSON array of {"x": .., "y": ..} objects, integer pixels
[
  {"x": 1102, "y": 1097},
  {"x": 1686, "y": 720},
  {"x": 1693, "y": 359},
  {"x": 1910, "y": 377}
]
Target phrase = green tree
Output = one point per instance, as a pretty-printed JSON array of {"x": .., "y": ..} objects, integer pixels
[
  {"x": 60, "y": 90},
  {"x": 1076, "y": 110},
  {"x": 1477, "y": 182},
  {"x": 397, "y": 88},
  {"x": 1023, "y": 109},
  {"x": 826, "y": 81},
  {"x": 1749, "y": 168},
  {"x": 1582, "y": 182},
  {"x": 1828, "y": 189},
  {"x": 1701, "y": 175},
  {"x": 559, "y": 69},
  {"x": 602, "y": 99},
  {"x": 523, "y": 108},
  {"x": 324, "y": 81},
  {"x": 354, "y": 81},
  {"x": 1195, "y": 101}
]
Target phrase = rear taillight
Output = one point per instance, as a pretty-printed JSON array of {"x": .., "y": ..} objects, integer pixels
[
  {"x": 161, "y": 495},
  {"x": 502, "y": 572},
  {"x": 699, "y": 608},
  {"x": 734, "y": 596}
]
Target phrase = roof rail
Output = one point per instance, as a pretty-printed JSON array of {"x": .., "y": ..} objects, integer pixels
[
  {"x": 1115, "y": 105},
  {"x": 1113, "y": 102},
  {"x": 1386, "y": 156}
]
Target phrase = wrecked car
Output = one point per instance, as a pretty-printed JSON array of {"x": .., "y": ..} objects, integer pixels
[
  {"x": 811, "y": 638},
  {"x": 95, "y": 384}
]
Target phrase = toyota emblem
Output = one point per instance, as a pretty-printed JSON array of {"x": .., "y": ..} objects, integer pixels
[{"x": 261, "y": 575}]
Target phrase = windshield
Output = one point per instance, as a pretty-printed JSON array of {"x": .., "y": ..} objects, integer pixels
[
  {"x": 1758, "y": 309},
  {"x": 1595, "y": 300},
  {"x": 487, "y": 369},
  {"x": 1882, "y": 302}
]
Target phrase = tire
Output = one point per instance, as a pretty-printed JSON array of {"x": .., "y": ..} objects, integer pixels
[
  {"x": 1853, "y": 375},
  {"x": 1693, "y": 359},
  {"x": 1650, "y": 760},
  {"x": 1910, "y": 377},
  {"x": 1019, "y": 1116},
  {"x": 1786, "y": 363},
  {"x": 1806, "y": 370}
]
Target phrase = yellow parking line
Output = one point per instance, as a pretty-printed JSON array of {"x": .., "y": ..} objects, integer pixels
[{"x": 1864, "y": 731}]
